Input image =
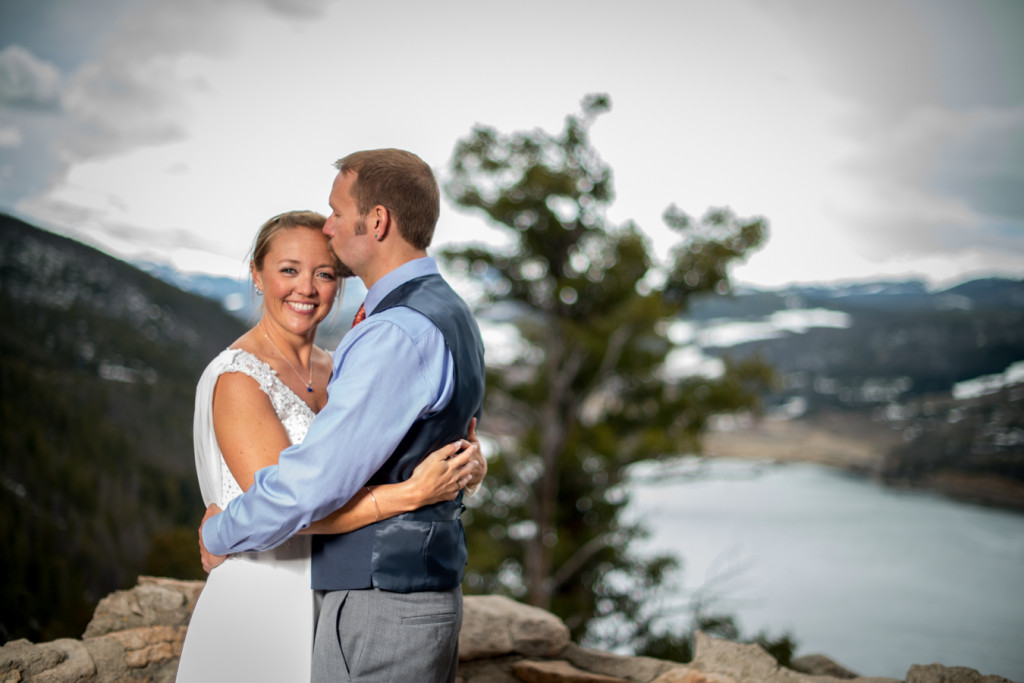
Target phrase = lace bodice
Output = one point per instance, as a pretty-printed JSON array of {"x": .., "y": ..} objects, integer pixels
[{"x": 294, "y": 413}]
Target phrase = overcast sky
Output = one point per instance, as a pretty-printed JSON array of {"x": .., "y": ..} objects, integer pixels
[{"x": 880, "y": 138}]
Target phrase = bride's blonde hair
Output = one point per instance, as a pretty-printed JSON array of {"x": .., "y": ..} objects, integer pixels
[{"x": 290, "y": 220}]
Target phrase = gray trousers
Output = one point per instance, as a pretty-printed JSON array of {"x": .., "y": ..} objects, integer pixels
[{"x": 377, "y": 636}]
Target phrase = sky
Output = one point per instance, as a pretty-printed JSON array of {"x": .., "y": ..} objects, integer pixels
[{"x": 881, "y": 139}]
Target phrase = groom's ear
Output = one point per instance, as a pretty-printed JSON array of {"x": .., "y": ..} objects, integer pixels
[{"x": 380, "y": 216}]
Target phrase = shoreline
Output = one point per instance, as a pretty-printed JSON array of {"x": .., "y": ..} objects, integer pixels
[{"x": 854, "y": 444}]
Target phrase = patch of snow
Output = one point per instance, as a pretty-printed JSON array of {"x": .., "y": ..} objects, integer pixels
[{"x": 989, "y": 384}]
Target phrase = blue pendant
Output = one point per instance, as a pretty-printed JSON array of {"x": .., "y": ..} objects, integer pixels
[{"x": 309, "y": 389}]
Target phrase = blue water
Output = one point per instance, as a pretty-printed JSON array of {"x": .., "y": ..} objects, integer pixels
[{"x": 875, "y": 578}]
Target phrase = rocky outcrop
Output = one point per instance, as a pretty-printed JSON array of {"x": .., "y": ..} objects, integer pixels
[
  {"x": 134, "y": 635},
  {"x": 820, "y": 665},
  {"x": 137, "y": 635}
]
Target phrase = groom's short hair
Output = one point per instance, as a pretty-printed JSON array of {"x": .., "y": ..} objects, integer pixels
[{"x": 402, "y": 183}]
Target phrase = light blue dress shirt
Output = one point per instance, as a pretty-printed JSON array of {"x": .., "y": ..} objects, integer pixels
[{"x": 389, "y": 371}]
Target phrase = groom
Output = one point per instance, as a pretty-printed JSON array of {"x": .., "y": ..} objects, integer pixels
[{"x": 405, "y": 381}]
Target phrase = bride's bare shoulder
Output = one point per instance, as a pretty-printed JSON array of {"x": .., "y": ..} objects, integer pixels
[{"x": 239, "y": 398}]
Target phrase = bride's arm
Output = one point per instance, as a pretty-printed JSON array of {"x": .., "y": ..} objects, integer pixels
[
  {"x": 249, "y": 433},
  {"x": 251, "y": 437},
  {"x": 440, "y": 476}
]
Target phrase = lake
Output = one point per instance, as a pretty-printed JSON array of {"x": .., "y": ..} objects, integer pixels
[{"x": 875, "y": 578}]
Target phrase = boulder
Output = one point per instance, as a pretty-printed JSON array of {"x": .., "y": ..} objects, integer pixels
[
  {"x": 54, "y": 662},
  {"x": 741, "y": 662},
  {"x": 751, "y": 664},
  {"x": 558, "y": 671},
  {"x": 686, "y": 675},
  {"x": 493, "y": 626},
  {"x": 632, "y": 669},
  {"x": 936, "y": 673},
  {"x": 820, "y": 665},
  {"x": 153, "y": 602}
]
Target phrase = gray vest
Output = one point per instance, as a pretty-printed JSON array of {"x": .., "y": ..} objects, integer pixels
[{"x": 425, "y": 549}]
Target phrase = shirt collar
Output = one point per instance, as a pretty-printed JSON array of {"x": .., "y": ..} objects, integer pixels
[{"x": 399, "y": 276}]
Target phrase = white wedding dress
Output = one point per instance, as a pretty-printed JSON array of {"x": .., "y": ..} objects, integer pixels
[{"x": 254, "y": 617}]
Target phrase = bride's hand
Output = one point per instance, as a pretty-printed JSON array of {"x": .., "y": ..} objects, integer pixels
[
  {"x": 210, "y": 561},
  {"x": 445, "y": 472}
]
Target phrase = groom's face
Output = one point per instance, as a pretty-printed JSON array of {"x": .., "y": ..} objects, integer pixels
[{"x": 346, "y": 227}]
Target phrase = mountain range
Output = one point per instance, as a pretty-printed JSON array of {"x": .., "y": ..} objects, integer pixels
[{"x": 932, "y": 380}]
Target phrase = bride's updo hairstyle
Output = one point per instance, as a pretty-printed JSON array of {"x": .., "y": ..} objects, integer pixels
[
  {"x": 285, "y": 221},
  {"x": 290, "y": 220}
]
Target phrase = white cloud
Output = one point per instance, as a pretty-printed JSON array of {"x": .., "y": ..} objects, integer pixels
[
  {"x": 298, "y": 8},
  {"x": 919, "y": 187},
  {"x": 10, "y": 136},
  {"x": 201, "y": 119},
  {"x": 927, "y": 168},
  {"x": 26, "y": 80},
  {"x": 112, "y": 110},
  {"x": 983, "y": 161}
]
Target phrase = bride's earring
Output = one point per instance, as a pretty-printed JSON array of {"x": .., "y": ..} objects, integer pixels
[{"x": 259, "y": 292}]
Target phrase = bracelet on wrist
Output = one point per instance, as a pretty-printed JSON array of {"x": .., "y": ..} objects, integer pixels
[{"x": 376, "y": 508}]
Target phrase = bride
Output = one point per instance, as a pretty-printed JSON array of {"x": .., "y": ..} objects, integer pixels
[{"x": 254, "y": 618}]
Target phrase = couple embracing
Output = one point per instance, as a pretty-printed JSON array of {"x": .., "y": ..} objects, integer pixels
[{"x": 361, "y": 504}]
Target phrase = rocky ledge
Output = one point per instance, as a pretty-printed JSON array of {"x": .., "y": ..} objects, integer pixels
[{"x": 137, "y": 635}]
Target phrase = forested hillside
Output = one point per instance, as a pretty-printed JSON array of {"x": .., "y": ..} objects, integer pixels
[{"x": 98, "y": 365}]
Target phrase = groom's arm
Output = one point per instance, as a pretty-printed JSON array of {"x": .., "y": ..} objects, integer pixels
[{"x": 389, "y": 372}]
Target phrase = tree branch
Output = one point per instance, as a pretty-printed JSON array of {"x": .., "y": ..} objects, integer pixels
[
  {"x": 613, "y": 352},
  {"x": 575, "y": 563}
]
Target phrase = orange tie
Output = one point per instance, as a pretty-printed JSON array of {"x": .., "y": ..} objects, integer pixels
[{"x": 360, "y": 315}]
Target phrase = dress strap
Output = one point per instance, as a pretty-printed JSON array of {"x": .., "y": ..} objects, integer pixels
[{"x": 250, "y": 365}]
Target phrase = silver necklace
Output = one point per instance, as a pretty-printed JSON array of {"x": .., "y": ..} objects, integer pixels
[{"x": 309, "y": 383}]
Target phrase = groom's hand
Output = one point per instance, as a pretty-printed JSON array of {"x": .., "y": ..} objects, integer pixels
[
  {"x": 210, "y": 561},
  {"x": 481, "y": 462}
]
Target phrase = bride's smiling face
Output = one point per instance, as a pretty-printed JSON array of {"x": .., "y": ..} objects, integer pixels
[{"x": 298, "y": 280}]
